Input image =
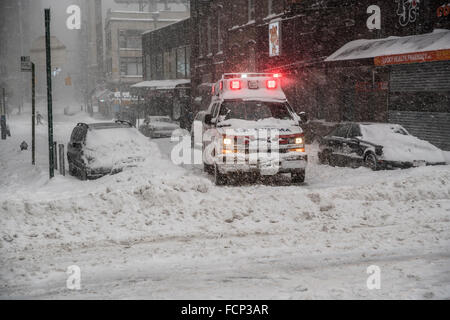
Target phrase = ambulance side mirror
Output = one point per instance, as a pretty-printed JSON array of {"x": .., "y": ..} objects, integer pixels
[
  {"x": 208, "y": 119},
  {"x": 303, "y": 117}
]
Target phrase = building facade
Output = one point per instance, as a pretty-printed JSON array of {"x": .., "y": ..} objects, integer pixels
[
  {"x": 297, "y": 38},
  {"x": 123, "y": 34},
  {"x": 166, "y": 86}
]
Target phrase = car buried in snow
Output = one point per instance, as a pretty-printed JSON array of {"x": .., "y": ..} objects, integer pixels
[
  {"x": 100, "y": 149},
  {"x": 377, "y": 146},
  {"x": 250, "y": 129},
  {"x": 158, "y": 127}
]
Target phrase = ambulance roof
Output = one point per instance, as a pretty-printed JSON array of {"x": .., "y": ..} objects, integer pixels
[{"x": 253, "y": 87}]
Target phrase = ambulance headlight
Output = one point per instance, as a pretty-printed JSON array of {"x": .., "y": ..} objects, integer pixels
[
  {"x": 299, "y": 140},
  {"x": 227, "y": 141}
]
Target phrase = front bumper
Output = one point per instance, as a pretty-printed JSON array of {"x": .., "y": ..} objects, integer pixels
[{"x": 266, "y": 164}]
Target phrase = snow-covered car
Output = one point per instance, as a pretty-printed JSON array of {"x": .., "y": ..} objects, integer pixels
[
  {"x": 99, "y": 149},
  {"x": 377, "y": 146},
  {"x": 250, "y": 127},
  {"x": 158, "y": 127}
]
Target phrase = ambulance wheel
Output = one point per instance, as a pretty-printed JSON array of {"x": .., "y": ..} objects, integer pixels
[
  {"x": 298, "y": 177},
  {"x": 208, "y": 168},
  {"x": 219, "y": 178}
]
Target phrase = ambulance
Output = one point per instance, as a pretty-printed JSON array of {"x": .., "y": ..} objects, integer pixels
[{"x": 250, "y": 128}]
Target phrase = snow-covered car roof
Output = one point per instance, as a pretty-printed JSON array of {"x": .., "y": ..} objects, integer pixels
[
  {"x": 111, "y": 147},
  {"x": 398, "y": 144}
]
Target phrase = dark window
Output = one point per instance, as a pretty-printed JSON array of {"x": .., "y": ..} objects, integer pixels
[
  {"x": 355, "y": 131},
  {"x": 340, "y": 131},
  {"x": 130, "y": 39},
  {"x": 254, "y": 110},
  {"x": 130, "y": 66},
  {"x": 77, "y": 135}
]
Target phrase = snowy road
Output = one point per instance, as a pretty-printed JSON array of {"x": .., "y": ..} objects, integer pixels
[{"x": 162, "y": 231}]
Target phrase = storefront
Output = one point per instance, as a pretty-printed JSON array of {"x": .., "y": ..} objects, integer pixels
[
  {"x": 164, "y": 98},
  {"x": 415, "y": 73}
]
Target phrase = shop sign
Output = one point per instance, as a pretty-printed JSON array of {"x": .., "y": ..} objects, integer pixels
[
  {"x": 275, "y": 39},
  {"x": 416, "y": 57},
  {"x": 443, "y": 11},
  {"x": 407, "y": 11}
]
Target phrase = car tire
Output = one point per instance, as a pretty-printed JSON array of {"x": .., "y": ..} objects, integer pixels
[
  {"x": 325, "y": 157},
  {"x": 208, "y": 168},
  {"x": 370, "y": 161},
  {"x": 298, "y": 177},
  {"x": 219, "y": 178},
  {"x": 72, "y": 170},
  {"x": 83, "y": 175}
]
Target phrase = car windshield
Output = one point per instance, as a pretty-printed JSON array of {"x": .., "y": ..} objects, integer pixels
[
  {"x": 254, "y": 110},
  {"x": 160, "y": 119}
]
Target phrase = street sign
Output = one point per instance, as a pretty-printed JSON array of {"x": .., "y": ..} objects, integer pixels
[{"x": 25, "y": 64}]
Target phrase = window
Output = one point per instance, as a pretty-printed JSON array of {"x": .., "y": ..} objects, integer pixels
[
  {"x": 219, "y": 33},
  {"x": 130, "y": 39},
  {"x": 188, "y": 62},
  {"x": 251, "y": 10},
  {"x": 200, "y": 42},
  {"x": 148, "y": 68},
  {"x": 166, "y": 65},
  {"x": 209, "y": 35},
  {"x": 340, "y": 131},
  {"x": 159, "y": 67},
  {"x": 130, "y": 66},
  {"x": 355, "y": 131},
  {"x": 181, "y": 63},
  {"x": 254, "y": 111}
]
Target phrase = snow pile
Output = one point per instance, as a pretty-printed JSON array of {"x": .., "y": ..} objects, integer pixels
[
  {"x": 398, "y": 145},
  {"x": 108, "y": 148},
  {"x": 163, "y": 231}
]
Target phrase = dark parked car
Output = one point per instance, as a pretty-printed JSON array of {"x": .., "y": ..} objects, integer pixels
[
  {"x": 377, "y": 146},
  {"x": 99, "y": 149},
  {"x": 158, "y": 127}
]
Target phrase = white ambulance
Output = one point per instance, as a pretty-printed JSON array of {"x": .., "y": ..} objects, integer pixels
[{"x": 250, "y": 128}]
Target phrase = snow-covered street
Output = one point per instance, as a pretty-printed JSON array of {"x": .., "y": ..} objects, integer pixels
[{"x": 162, "y": 231}]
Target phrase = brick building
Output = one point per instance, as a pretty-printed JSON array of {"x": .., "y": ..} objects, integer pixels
[
  {"x": 302, "y": 40},
  {"x": 166, "y": 86}
]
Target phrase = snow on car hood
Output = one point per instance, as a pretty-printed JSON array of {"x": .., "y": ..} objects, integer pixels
[
  {"x": 244, "y": 126},
  {"x": 399, "y": 145},
  {"x": 115, "y": 148}
]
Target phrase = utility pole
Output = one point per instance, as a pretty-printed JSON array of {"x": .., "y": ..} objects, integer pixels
[
  {"x": 3, "y": 116},
  {"x": 33, "y": 114},
  {"x": 49, "y": 95}
]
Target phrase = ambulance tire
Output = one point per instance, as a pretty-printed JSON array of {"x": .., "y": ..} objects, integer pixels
[
  {"x": 219, "y": 178},
  {"x": 298, "y": 177}
]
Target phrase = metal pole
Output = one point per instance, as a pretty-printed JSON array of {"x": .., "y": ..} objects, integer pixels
[
  {"x": 49, "y": 94},
  {"x": 62, "y": 161},
  {"x": 3, "y": 116},
  {"x": 55, "y": 154},
  {"x": 33, "y": 115}
]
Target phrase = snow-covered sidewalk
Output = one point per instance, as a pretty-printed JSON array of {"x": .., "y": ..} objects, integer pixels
[{"x": 163, "y": 231}]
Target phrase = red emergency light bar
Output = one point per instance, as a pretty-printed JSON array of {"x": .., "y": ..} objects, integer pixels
[
  {"x": 271, "y": 84},
  {"x": 235, "y": 85}
]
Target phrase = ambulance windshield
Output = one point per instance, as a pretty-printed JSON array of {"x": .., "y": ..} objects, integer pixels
[{"x": 254, "y": 110}]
